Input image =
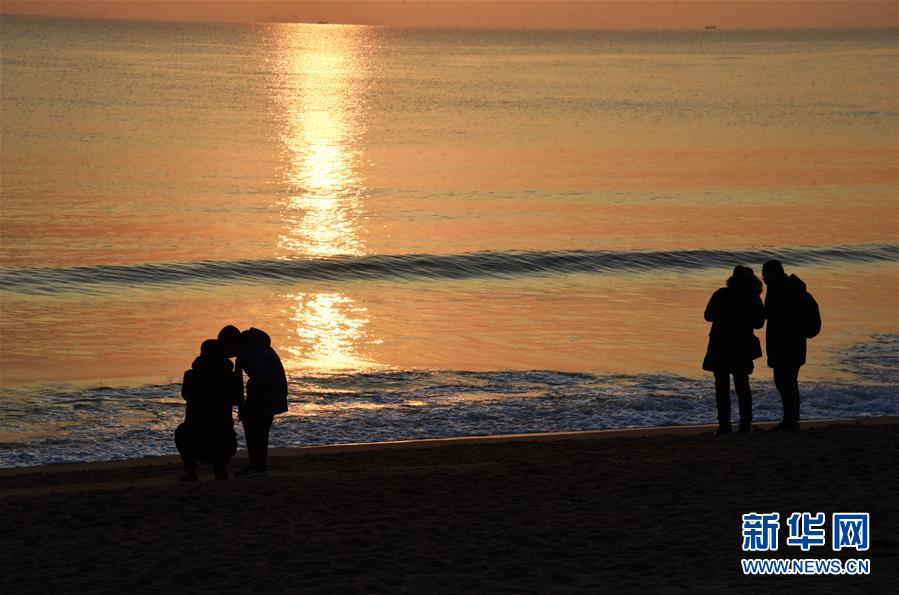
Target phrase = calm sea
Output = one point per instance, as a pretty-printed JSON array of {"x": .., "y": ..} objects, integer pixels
[{"x": 446, "y": 232}]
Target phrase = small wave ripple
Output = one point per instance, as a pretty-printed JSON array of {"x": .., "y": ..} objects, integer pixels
[{"x": 47, "y": 280}]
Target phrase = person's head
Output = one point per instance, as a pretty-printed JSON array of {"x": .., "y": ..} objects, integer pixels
[
  {"x": 229, "y": 337},
  {"x": 741, "y": 270},
  {"x": 212, "y": 348},
  {"x": 773, "y": 272},
  {"x": 744, "y": 279}
]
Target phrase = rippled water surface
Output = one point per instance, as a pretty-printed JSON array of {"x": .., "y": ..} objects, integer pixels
[{"x": 445, "y": 232}]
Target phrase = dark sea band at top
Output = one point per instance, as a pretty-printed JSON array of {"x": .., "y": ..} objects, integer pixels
[{"x": 488, "y": 264}]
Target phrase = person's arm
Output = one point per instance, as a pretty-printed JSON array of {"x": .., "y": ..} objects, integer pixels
[
  {"x": 713, "y": 307},
  {"x": 237, "y": 389},
  {"x": 758, "y": 313},
  {"x": 811, "y": 317}
]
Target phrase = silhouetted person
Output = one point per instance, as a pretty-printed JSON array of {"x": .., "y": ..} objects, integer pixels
[
  {"x": 266, "y": 389},
  {"x": 793, "y": 317},
  {"x": 734, "y": 311},
  {"x": 211, "y": 389}
]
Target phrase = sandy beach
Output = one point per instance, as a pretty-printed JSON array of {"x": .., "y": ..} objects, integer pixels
[{"x": 624, "y": 511}]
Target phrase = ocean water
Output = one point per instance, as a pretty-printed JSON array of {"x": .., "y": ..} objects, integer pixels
[{"x": 446, "y": 232}]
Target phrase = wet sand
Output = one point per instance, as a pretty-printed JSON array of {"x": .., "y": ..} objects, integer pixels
[{"x": 623, "y": 511}]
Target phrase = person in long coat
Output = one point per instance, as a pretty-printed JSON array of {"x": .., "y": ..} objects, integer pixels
[
  {"x": 793, "y": 317},
  {"x": 266, "y": 389},
  {"x": 735, "y": 311}
]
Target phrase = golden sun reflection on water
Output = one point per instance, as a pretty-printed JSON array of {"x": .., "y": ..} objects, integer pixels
[
  {"x": 330, "y": 327},
  {"x": 323, "y": 120}
]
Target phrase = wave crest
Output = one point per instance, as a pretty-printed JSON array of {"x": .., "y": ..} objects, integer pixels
[{"x": 470, "y": 265}]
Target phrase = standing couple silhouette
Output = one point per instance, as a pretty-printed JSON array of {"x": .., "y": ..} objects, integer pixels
[
  {"x": 213, "y": 386},
  {"x": 735, "y": 311}
]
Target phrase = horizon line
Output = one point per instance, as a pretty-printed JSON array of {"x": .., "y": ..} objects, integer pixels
[{"x": 709, "y": 27}]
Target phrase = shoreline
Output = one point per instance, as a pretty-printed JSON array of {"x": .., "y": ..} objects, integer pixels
[{"x": 426, "y": 443}]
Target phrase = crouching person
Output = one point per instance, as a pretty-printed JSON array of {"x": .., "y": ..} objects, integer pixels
[{"x": 211, "y": 388}]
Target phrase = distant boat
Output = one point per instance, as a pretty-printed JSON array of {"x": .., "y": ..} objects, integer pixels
[{"x": 711, "y": 26}]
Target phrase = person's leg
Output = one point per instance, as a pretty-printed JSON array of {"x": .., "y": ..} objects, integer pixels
[
  {"x": 265, "y": 426},
  {"x": 252, "y": 437},
  {"x": 228, "y": 448},
  {"x": 256, "y": 430},
  {"x": 792, "y": 383},
  {"x": 221, "y": 468},
  {"x": 722, "y": 399},
  {"x": 779, "y": 385},
  {"x": 183, "y": 444},
  {"x": 787, "y": 383},
  {"x": 744, "y": 394}
]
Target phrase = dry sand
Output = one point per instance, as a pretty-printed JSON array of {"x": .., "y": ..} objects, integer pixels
[{"x": 624, "y": 511}]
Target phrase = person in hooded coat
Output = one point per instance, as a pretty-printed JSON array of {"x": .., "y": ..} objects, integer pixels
[
  {"x": 734, "y": 311},
  {"x": 793, "y": 317},
  {"x": 266, "y": 389},
  {"x": 210, "y": 389}
]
